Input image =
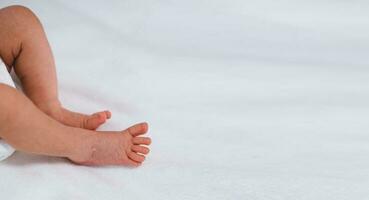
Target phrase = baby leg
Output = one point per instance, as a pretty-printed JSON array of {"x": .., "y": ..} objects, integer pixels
[
  {"x": 24, "y": 46},
  {"x": 28, "y": 129}
]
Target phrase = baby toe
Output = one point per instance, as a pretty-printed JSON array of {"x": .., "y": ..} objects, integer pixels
[
  {"x": 136, "y": 157},
  {"x": 131, "y": 163},
  {"x": 141, "y": 140},
  {"x": 138, "y": 129},
  {"x": 140, "y": 149},
  {"x": 94, "y": 121},
  {"x": 107, "y": 114},
  {"x": 100, "y": 115}
]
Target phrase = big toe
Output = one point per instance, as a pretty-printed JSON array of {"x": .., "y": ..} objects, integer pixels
[
  {"x": 95, "y": 120},
  {"x": 138, "y": 129}
]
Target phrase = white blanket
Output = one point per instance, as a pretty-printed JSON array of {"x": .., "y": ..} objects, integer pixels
[
  {"x": 245, "y": 99},
  {"x": 5, "y": 149}
]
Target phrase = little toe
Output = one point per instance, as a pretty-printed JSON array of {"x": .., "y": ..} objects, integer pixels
[
  {"x": 140, "y": 149},
  {"x": 131, "y": 163},
  {"x": 136, "y": 157},
  {"x": 141, "y": 140},
  {"x": 138, "y": 129}
]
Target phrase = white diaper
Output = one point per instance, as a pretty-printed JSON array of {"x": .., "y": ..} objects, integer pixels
[{"x": 5, "y": 149}]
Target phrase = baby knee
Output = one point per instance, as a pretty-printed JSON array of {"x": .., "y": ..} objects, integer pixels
[
  {"x": 19, "y": 16},
  {"x": 17, "y": 10}
]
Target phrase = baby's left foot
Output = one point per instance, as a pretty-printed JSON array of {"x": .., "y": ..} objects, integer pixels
[{"x": 74, "y": 119}]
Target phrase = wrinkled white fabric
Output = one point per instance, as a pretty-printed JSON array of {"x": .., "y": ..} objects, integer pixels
[
  {"x": 255, "y": 100},
  {"x": 5, "y": 149}
]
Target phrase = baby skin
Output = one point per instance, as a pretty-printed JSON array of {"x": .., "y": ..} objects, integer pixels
[{"x": 36, "y": 122}]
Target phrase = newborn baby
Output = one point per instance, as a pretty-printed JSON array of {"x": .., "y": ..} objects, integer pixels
[{"x": 36, "y": 122}]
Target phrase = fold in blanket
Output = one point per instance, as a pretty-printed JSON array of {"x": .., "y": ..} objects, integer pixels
[{"x": 5, "y": 149}]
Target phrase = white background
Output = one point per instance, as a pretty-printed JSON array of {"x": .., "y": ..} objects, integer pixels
[{"x": 245, "y": 99}]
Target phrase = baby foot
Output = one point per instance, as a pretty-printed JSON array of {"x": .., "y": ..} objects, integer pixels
[
  {"x": 74, "y": 119},
  {"x": 91, "y": 122},
  {"x": 115, "y": 148}
]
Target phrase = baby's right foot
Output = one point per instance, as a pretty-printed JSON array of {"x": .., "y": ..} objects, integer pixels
[
  {"x": 55, "y": 110},
  {"x": 115, "y": 148}
]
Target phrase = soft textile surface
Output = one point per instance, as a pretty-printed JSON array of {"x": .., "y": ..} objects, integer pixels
[
  {"x": 246, "y": 99},
  {"x": 5, "y": 149}
]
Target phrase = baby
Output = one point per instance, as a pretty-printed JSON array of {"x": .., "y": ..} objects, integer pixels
[{"x": 36, "y": 122}]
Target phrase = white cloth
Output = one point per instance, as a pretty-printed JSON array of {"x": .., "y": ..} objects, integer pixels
[
  {"x": 5, "y": 149},
  {"x": 259, "y": 100}
]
